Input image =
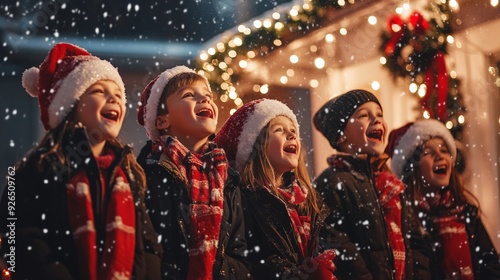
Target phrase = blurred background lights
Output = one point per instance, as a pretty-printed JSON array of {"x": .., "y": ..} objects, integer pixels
[
  {"x": 294, "y": 58},
  {"x": 233, "y": 95},
  {"x": 314, "y": 83},
  {"x": 343, "y": 31},
  {"x": 422, "y": 90},
  {"x": 329, "y": 38},
  {"x": 375, "y": 85},
  {"x": 319, "y": 62},
  {"x": 413, "y": 87},
  {"x": 264, "y": 89},
  {"x": 243, "y": 63},
  {"x": 283, "y": 79},
  {"x": 450, "y": 39},
  {"x": 372, "y": 20}
]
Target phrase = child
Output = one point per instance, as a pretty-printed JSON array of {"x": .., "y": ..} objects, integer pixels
[
  {"x": 193, "y": 201},
  {"x": 378, "y": 235},
  {"x": 282, "y": 215},
  {"x": 79, "y": 195},
  {"x": 423, "y": 155}
]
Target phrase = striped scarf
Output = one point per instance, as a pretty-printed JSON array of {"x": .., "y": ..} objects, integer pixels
[
  {"x": 205, "y": 175},
  {"x": 113, "y": 259}
]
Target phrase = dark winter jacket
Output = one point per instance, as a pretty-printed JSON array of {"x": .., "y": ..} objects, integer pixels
[
  {"x": 360, "y": 234},
  {"x": 273, "y": 248},
  {"x": 44, "y": 243},
  {"x": 484, "y": 257},
  {"x": 168, "y": 205}
]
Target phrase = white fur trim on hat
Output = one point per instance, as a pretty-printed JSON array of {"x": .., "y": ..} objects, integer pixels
[
  {"x": 30, "y": 81},
  {"x": 417, "y": 135},
  {"x": 73, "y": 86},
  {"x": 263, "y": 113},
  {"x": 154, "y": 98}
]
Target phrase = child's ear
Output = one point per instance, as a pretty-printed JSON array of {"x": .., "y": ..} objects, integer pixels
[{"x": 162, "y": 122}]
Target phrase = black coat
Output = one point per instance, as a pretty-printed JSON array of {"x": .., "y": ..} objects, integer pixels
[
  {"x": 44, "y": 244},
  {"x": 485, "y": 260},
  {"x": 274, "y": 252},
  {"x": 168, "y": 205},
  {"x": 360, "y": 233}
]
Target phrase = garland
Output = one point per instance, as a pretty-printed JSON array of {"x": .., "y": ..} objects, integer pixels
[
  {"x": 415, "y": 49},
  {"x": 279, "y": 30}
]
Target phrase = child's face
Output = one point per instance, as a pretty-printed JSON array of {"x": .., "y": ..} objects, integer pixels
[
  {"x": 191, "y": 112},
  {"x": 101, "y": 110},
  {"x": 283, "y": 147},
  {"x": 365, "y": 131},
  {"x": 436, "y": 163}
]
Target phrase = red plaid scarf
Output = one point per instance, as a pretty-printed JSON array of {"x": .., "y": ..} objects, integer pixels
[
  {"x": 452, "y": 235},
  {"x": 205, "y": 175},
  {"x": 321, "y": 266},
  {"x": 293, "y": 196},
  {"x": 389, "y": 189},
  {"x": 117, "y": 256}
]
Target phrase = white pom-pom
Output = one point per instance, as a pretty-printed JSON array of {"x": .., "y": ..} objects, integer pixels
[{"x": 30, "y": 81}]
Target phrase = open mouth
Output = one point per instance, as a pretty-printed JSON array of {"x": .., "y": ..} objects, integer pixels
[
  {"x": 290, "y": 149},
  {"x": 375, "y": 135},
  {"x": 207, "y": 113},
  {"x": 440, "y": 169},
  {"x": 111, "y": 115}
]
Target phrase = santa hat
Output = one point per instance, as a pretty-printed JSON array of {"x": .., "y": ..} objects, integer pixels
[
  {"x": 64, "y": 75},
  {"x": 239, "y": 133},
  {"x": 150, "y": 99},
  {"x": 331, "y": 119},
  {"x": 404, "y": 141}
]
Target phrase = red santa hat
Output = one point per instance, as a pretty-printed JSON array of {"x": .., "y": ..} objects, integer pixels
[
  {"x": 239, "y": 133},
  {"x": 150, "y": 99},
  {"x": 404, "y": 141},
  {"x": 64, "y": 75}
]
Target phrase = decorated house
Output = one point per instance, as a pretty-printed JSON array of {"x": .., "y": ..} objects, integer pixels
[{"x": 423, "y": 59}]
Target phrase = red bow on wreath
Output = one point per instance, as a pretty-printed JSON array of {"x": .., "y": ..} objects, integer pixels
[
  {"x": 398, "y": 28},
  {"x": 436, "y": 77}
]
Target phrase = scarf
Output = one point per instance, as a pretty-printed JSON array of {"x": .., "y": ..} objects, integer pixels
[
  {"x": 451, "y": 233},
  {"x": 205, "y": 175},
  {"x": 321, "y": 266},
  {"x": 389, "y": 188},
  {"x": 293, "y": 196},
  {"x": 115, "y": 257}
]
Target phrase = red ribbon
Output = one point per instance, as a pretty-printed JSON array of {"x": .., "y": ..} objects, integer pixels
[
  {"x": 416, "y": 24},
  {"x": 436, "y": 80},
  {"x": 395, "y": 35}
]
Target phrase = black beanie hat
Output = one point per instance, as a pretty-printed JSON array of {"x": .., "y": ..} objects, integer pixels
[{"x": 332, "y": 118}]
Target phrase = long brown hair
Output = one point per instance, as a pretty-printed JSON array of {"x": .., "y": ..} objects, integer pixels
[
  {"x": 417, "y": 187},
  {"x": 258, "y": 172}
]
